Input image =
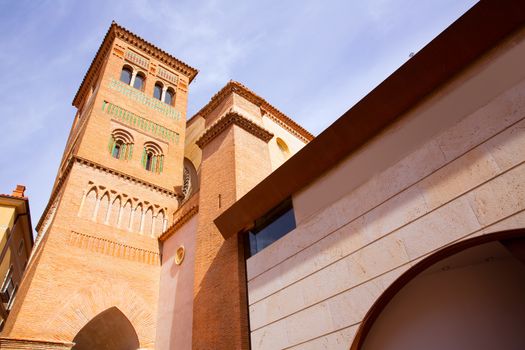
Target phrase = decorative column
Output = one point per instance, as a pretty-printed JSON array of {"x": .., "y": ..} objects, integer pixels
[
  {"x": 133, "y": 76},
  {"x": 163, "y": 95}
]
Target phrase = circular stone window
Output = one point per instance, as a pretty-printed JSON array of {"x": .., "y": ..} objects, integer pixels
[{"x": 179, "y": 255}]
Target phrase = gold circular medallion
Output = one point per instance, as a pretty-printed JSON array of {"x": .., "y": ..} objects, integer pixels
[{"x": 179, "y": 255}]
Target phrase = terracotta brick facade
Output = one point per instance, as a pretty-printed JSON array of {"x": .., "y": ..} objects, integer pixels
[
  {"x": 98, "y": 242},
  {"x": 97, "y": 245}
]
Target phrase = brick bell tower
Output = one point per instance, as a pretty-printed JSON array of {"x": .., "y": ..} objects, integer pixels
[{"x": 94, "y": 276}]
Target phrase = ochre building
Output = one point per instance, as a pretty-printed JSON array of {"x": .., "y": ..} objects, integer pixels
[
  {"x": 401, "y": 226},
  {"x": 16, "y": 242}
]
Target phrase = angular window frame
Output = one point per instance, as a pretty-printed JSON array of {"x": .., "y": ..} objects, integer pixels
[{"x": 269, "y": 228}]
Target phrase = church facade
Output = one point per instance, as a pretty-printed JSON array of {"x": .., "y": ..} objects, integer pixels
[{"x": 401, "y": 226}]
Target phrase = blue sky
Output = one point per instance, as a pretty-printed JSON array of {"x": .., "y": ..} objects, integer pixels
[{"x": 311, "y": 59}]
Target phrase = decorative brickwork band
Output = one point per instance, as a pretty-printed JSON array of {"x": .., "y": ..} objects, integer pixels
[
  {"x": 67, "y": 169},
  {"x": 165, "y": 74},
  {"x": 140, "y": 97},
  {"x": 107, "y": 247},
  {"x": 124, "y": 175},
  {"x": 231, "y": 118},
  {"x": 137, "y": 59},
  {"x": 136, "y": 121}
]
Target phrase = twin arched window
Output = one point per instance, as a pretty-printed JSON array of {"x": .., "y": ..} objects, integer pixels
[
  {"x": 138, "y": 80},
  {"x": 129, "y": 78},
  {"x": 121, "y": 147},
  {"x": 162, "y": 94}
]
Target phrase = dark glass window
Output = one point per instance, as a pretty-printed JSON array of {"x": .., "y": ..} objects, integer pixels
[
  {"x": 157, "y": 91},
  {"x": 139, "y": 82},
  {"x": 272, "y": 226},
  {"x": 149, "y": 161},
  {"x": 125, "y": 75},
  {"x": 169, "y": 97}
]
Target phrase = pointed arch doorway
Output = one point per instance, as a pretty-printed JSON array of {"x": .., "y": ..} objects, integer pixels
[{"x": 109, "y": 330}]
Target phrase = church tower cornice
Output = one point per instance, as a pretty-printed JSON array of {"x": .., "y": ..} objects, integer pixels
[
  {"x": 231, "y": 118},
  {"x": 267, "y": 109},
  {"x": 117, "y": 31}
]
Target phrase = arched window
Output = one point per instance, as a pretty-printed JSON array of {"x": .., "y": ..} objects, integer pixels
[
  {"x": 152, "y": 157},
  {"x": 189, "y": 178},
  {"x": 149, "y": 160},
  {"x": 159, "y": 224},
  {"x": 125, "y": 222},
  {"x": 137, "y": 219},
  {"x": 157, "y": 91},
  {"x": 115, "y": 213},
  {"x": 90, "y": 203},
  {"x": 103, "y": 207},
  {"x": 125, "y": 75},
  {"x": 117, "y": 148},
  {"x": 147, "y": 227},
  {"x": 121, "y": 144},
  {"x": 139, "y": 82},
  {"x": 169, "y": 98}
]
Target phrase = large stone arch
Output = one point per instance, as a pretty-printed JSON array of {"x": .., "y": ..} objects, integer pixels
[
  {"x": 87, "y": 303},
  {"x": 383, "y": 327}
]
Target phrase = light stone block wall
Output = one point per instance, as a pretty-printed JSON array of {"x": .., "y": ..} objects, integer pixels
[
  {"x": 466, "y": 177},
  {"x": 175, "y": 315},
  {"x": 475, "y": 299}
]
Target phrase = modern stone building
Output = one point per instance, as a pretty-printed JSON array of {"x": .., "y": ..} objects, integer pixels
[{"x": 399, "y": 227}]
